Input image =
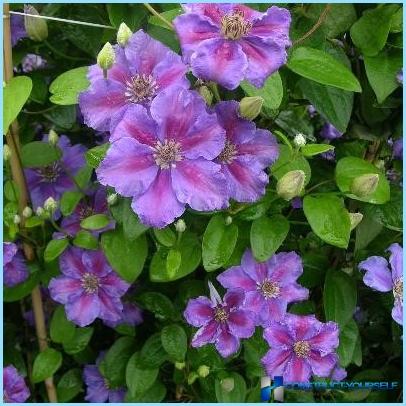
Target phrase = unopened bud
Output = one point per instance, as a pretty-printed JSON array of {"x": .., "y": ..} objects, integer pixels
[
  {"x": 250, "y": 107},
  {"x": 27, "y": 212},
  {"x": 40, "y": 212},
  {"x": 180, "y": 226},
  {"x": 299, "y": 140},
  {"x": 35, "y": 27},
  {"x": 53, "y": 137},
  {"x": 203, "y": 371},
  {"x": 17, "y": 219},
  {"x": 106, "y": 58},
  {"x": 355, "y": 219},
  {"x": 291, "y": 184},
  {"x": 227, "y": 384},
  {"x": 6, "y": 152},
  {"x": 207, "y": 95},
  {"x": 228, "y": 220},
  {"x": 50, "y": 205},
  {"x": 112, "y": 199},
  {"x": 192, "y": 377},
  {"x": 364, "y": 185},
  {"x": 123, "y": 34},
  {"x": 180, "y": 365}
]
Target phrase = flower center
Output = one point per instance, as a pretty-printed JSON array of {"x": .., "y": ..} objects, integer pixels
[
  {"x": 85, "y": 211},
  {"x": 301, "y": 348},
  {"x": 50, "y": 173},
  {"x": 228, "y": 154},
  {"x": 90, "y": 283},
  {"x": 398, "y": 289},
  {"x": 166, "y": 154},
  {"x": 141, "y": 88},
  {"x": 234, "y": 26},
  {"x": 269, "y": 289},
  {"x": 220, "y": 315}
]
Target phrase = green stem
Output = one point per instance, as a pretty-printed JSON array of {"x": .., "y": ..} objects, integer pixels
[
  {"x": 41, "y": 111},
  {"x": 215, "y": 90},
  {"x": 155, "y": 13},
  {"x": 319, "y": 184}
]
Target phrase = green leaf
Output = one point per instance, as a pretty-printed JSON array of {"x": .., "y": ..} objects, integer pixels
[
  {"x": 158, "y": 304},
  {"x": 33, "y": 221},
  {"x": 139, "y": 378},
  {"x": 79, "y": 341},
  {"x": 21, "y": 290},
  {"x": 267, "y": 235},
  {"x": 328, "y": 218},
  {"x": 381, "y": 72},
  {"x": 219, "y": 241},
  {"x": 62, "y": 116},
  {"x": 173, "y": 262},
  {"x": 46, "y": 364},
  {"x": 38, "y": 154},
  {"x": 238, "y": 387},
  {"x": 65, "y": 88},
  {"x": 340, "y": 297},
  {"x": 348, "y": 168},
  {"x": 69, "y": 201},
  {"x": 115, "y": 361},
  {"x": 290, "y": 161},
  {"x": 83, "y": 176},
  {"x": 315, "y": 149},
  {"x": 95, "y": 155},
  {"x": 16, "y": 93},
  {"x": 335, "y": 105},
  {"x": 69, "y": 385},
  {"x": 349, "y": 336},
  {"x": 168, "y": 15},
  {"x": 174, "y": 341},
  {"x": 131, "y": 14},
  {"x": 152, "y": 353},
  {"x": 322, "y": 68},
  {"x": 165, "y": 236},
  {"x": 95, "y": 222},
  {"x": 371, "y": 31},
  {"x": 271, "y": 92},
  {"x": 11, "y": 191},
  {"x": 61, "y": 329},
  {"x": 127, "y": 257},
  {"x": 55, "y": 248},
  {"x": 85, "y": 239},
  {"x": 164, "y": 35},
  {"x": 155, "y": 394}
]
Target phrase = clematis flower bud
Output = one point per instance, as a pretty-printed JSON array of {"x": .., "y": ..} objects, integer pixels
[
  {"x": 250, "y": 107},
  {"x": 27, "y": 212},
  {"x": 207, "y": 95},
  {"x": 17, "y": 219},
  {"x": 112, "y": 199},
  {"x": 299, "y": 140},
  {"x": 35, "y": 27},
  {"x": 53, "y": 137},
  {"x": 6, "y": 152},
  {"x": 106, "y": 58},
  {"x": 364, "y": 185},
  {"x": 192, "y": 377},
  {"x": 228, "y": 220},
  {"x": 291, "y": 184},
  {"x": 50, "y": 205},
  {"x": 180, "y": 226},
  {"x": 355, "y": 219},
  {"x": 203, "y": 371},
  {"x": 123, "y": 34},
  {"x": 227, "y": 384},
  {"x": 40, "y": 212},
  {"x": 180, "y": 365}
]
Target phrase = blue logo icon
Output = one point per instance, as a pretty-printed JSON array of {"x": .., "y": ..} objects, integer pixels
[{"x": 268, "y": 385}]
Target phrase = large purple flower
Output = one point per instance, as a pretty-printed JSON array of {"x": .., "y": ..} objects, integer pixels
[
  {"x": 221, "y": 322},
  {"x": 55, "y": 179},
  {"x": 17, "y": 28},
  {"x": 228, "y": 43},
  {"x": 131, "y": 316},
  {"x": 14, "y": 388},
  {"x": 163, "y": 159},
  {"x": 379, "y": 277},
  {"x": 98, "y": 390},
  {"x": 301, "y": 346},
  {"x": 398, "y": 148},
  {"x": 88, "y": 287},
  {"x": 247, "y": 152},
  {"x": 143, "y": 68},
  {"x": 15, "y": 269},
  {"x": 269, "y": 286}
]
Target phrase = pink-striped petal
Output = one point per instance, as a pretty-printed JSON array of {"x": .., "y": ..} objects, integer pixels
[
  {"x": 205, "y": 335},
  {"x": 241, "y": 323},
  {"x": 378, "y": 275},
  {"x": 227, "y": 344},
  {"x": 297, "y": 370},
  {"x": 275, "y": 361},
  {"x": 63, "y": 289},
  {"x": 198, "y": 311},
  {"x": 83, "y": 310},
  {"x": 278, "y": 335},
  {"x": 235, "y": 277}
]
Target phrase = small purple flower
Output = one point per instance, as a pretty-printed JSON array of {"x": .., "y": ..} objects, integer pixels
[
  {"x": 338, "y": 373},
  {"x": 98, "y": 390},
  {"x": 296, "y": 203},
  {"x": 88, "y": 287},
  {"x": 55, "y": 179},
  {"x": 15, "y": 270},
  {"x": 17, "y": 28},
  {"x": 14, "y": 388},
  {"x": 131, "y": 316},
  {"x": 311, "y": 111},
  {"x": 329, "y": 155},
  {"x": 247, "y": 152},
  {"x": 380, "y": 278},
  {"x": 301, "y": 346},
  {"x": 329, "y": 132},
  {"x": 143, "y": 68},
  {"x": 399, "y": 76},
  {"x": 268, "y": 286},
  {"x": 162, "y": 159},
  {"x": 397, "y": 150},
  {"x": 222, "y": 322},
  {"x": 33, "y": 62},
  {"x": 228, "y": 43}
]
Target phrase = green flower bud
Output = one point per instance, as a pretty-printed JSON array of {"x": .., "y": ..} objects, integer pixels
[
  {"x": 228, "y": 220},
  {"x": 180, "y": 226},
  {"x": 180, "y": 365},
  {"x": 291, "y": 184},
  {"x": 207, "y": 95},
  {"x": 112, "y": 199},
  {"x": 106, "y": 57},
  {"x": 355, "y": 219},
  {"x": 6, "y": 152},
  {"x": 50, "y": 205},
  {"x": 35, "y": 27},
  {"x": 27, "y": 212},
  {"x": 299, "y": 140},
  {"x": 40, "y": 212},
  {"x": 250, "y": 107},
  {"x": 17, "y": 219},
  {"x": 203, "y": 371},
  {"x": 192, "y": 377},
  {"x": 227, "y": 384},
  {"x": 364, "y": 185},
  {"x": 53, "y": 137},
  {"x": 123, "y": 34}
]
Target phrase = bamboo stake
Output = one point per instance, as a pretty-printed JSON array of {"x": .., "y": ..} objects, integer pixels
[{"x": 17, "y": 172}]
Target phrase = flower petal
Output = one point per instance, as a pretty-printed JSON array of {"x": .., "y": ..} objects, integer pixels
[
  {"x": 226, "y": 343},
  {"x": 273, "y": 310},
  {"x": 275, "y": 361},
  {"x": 285, "y": 267},
  {"x": 70, "y": 263},
  {"x": 198, "y": 311},
  {"x": 294, "y": 293},
  {"x": 254, "y": 302},
  {"x": 171, "y": 71},
  {"x": 326, "y": 340},
  {"x": 322, "y": 366},
  {"x": 278, "y": 335},
  {"x": 302, "y": 327},
  {"x": 378, "y": 275},
  {"x": 210, "y": 11},
  {"x": 256, "y": 270},
  {"x": 63, "y": 289},
  {"x": 241, "y": 323},
  {"x": 297, "y": 370},
  {"x": 83, "y": 310},
  {"x": 96, "y": 263},
  {"x": 111, "y": 308},
  {"x": 205, "y": 335},
  {"x": 397, "y": 312},
  {"x": 234, "y": 298},
  {"x": 114, "y": 285},
  {"x": 396, "y": 261},
  {"x": 235, "y": 277}
]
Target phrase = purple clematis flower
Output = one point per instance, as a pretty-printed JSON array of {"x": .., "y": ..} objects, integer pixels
[
  {"x": 98, "y": 390},
  {"x": 247, "y": 152},
  {"x": 221, "y": 322},
  {"x": 227, "y": 43},
  {"x": 329, "y": 132},
  {"x": 17, "y": 28},
  {"x": 399, "y": 76},
  {"x": 142, "y": 69},
  {"x": 380, "y": 278},
  {"x": 269, "y": 286},
  {"x": 301, "y": 346},
  {"x": 131, "y": 316},
  {"x": 55, "y": 179},
  {"x": 15, "y": 270},
  {"x": 32, "y": 62},
  {"x": 88, "y": 287},
  {"x": 329, "y": 155},
  {"x": 397, "y": 150},
  {"x": 14, "y": 388},
  {"x": 296, "y": 203},
  {"x": 163, "y": 159}
]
